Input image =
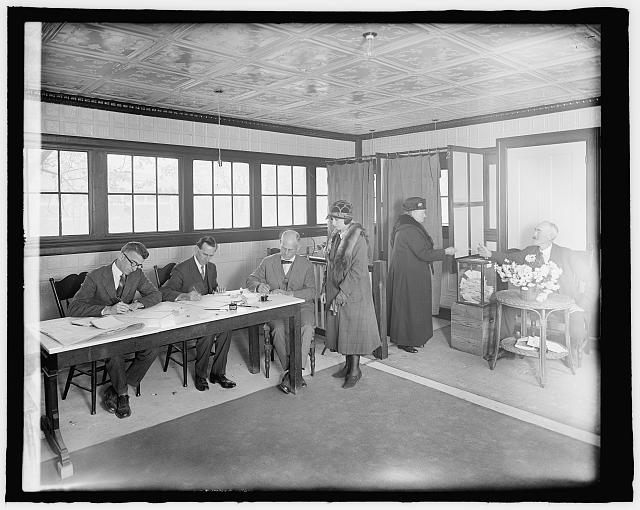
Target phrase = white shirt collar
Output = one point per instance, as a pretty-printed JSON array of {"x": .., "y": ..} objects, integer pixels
[
  {"x": 292, "y": 259},
  {"x": 201, "y": 267},
  {"x": 546, "y": 253},
  {"x": 115, "y": 270}
]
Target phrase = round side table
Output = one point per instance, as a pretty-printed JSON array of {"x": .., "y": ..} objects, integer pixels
[{"x": 553, "y": 303}]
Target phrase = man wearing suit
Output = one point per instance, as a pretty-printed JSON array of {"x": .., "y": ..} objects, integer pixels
[
  {"x": 188, "y": 282},
  {"x": 574, "y": 280},
  {"x": 111, "y": 290},
  {"x": 287, "y": 273}
]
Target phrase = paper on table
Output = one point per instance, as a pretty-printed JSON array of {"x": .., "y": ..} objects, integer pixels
[
  {"x": 534, "y": 341},
  {"x": 66, "y": 333},
  {"x": 106, "y": 322}
]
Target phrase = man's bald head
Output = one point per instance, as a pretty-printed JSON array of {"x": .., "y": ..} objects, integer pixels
[
  {"x": 544, "y": 233},
  {"x": 289, "y": 243}
]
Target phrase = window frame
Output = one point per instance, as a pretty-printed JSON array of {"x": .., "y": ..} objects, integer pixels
[{"x": 99, "y": 239}]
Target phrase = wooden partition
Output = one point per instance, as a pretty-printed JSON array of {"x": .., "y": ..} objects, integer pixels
[{"x": 378, "y": 275}]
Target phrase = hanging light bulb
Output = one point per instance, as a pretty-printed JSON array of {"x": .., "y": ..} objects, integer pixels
[
  {"x": 369, "y": 37},
  {"x": 218, "y": 92}
]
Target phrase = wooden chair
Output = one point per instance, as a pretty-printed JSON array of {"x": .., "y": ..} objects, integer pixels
[
  {"x": 179, "y": 348},
  {"x": 269, "y": 350},
  {"x": 63, "y": 291}
]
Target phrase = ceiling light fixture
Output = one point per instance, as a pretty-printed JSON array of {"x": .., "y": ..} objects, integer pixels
[
  {"x": 218, "y": 92},
  {"x": 369, "y": 37}
]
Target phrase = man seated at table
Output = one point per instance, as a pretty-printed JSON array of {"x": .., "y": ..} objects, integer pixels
[
  {"x": 286, "y": 273},
  {"x": 575, "y": 280},
  {"x": 188, "y": 282},
  {"x": 111, "y": 290}
]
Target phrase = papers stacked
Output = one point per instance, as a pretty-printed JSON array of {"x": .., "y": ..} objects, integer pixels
[
  {"x": 470, "y": 287},
  {"x": 532, "y": 343},
  {"x": 69, "y": 331}
]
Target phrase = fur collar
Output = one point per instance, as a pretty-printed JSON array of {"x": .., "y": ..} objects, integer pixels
[{"x": 344, "y": 252}]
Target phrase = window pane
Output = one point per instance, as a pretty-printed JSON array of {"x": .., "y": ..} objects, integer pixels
[
  {"x": 299, "y": 210},
  {"x": 461, "y": 230},
  {"x": 49, "y": 215},
  {"x": 241, "y": 178},
  {"x": 475, "y": 178},
  {"x": 241, "y": 216},
  {"x": 167, "y": 175},
  {"x": 202, "y": 213},
  {"x": 144, "y": 174},
  {"x": 284, "y": 211},
  {"x": 444, "y": 183},
  {"x": 268, "y": 179},
  {"x": 269, "y": 212},
  {"x": 144, "y": 207},
  {"x": 460, "y": 177},
  {"x": 299, "y": 180},
  {"x": 284, "y": 180},
  {"x": 31, "y": 214},
  {"x": 202, "y": 177},
  {"x": 444, "y": 203},
  {"x": 222, "y": 212},
  {"x": 48, "y": 169},
  {"x": 118, "y": 174},
  {"x": 74, "y": 172},
  {"x": 493, "y": 207},
  {"x": 321, "y": 181},
  {"x": 477, "y": 227},
  {"x": 321, "y": 210},
  {"x": 222, "y": 178},
  {"x": 119, "y": 213},
  {"x": 168, "y": 212},
  {"x": 75, "y": 214}
]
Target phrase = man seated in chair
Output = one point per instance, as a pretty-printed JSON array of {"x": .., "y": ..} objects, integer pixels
[
  {"x": 575, "y": 280},
  {"x": 111, "y": 290},
  {"x": 287, "y": 273},
  {"x": 188, "y": 282}
]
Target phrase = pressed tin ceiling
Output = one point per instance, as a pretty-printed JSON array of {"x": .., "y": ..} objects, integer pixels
[{"x": 317, "y": 76}]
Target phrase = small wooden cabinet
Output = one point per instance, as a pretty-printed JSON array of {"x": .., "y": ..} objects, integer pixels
[{"x": 472, "y": 327}]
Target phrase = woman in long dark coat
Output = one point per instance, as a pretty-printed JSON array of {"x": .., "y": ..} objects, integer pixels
[
  {"x": 351, "y": 325},
  {"x": 409, "y": 280}
]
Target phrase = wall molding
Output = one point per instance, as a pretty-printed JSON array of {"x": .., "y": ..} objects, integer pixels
[{"x": 168, "y": 113}]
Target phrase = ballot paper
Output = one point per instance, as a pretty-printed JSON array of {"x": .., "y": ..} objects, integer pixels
[
  {"x": 161, "y": 315},
  {"x": 534, "y": 342},
  {"x": 66, "y": 331}
]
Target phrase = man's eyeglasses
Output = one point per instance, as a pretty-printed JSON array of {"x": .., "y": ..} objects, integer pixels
[{"x": 135, "y": 265}]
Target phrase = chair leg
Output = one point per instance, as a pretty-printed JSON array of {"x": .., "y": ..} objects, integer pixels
[
  {"x": 184, "y": 364},
  {"x": 72, "y": 369},
  {"x": 104, "y": 374},
  {"x": 323, "y": 350},
  {"x": 312, "y": 356},
  {"x": 94, "y": 377},
  {"x": 167, "y": 357},
  {"x": 138, "y": 390},
  {"x": 268, "y": 351}
]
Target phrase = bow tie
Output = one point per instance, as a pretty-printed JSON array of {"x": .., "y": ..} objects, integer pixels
[{"x": 282, "y": 261}]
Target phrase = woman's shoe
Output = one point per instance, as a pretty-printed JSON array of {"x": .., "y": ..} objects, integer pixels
[
  {"x": 408, "y": 348},
  {"x": 351, "y": 380},
  {"x": 284, "y": 383}
]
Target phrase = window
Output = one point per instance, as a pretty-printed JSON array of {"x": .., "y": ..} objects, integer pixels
[
  {"x": 444, "y": 196},
  {"x": 59, "y": 205},
  {"x": 142, "y": 194},
  {"x": 322, "y": 199},
  {"x": 284, "y": 195},
  {"x": 220, "y": 195}
]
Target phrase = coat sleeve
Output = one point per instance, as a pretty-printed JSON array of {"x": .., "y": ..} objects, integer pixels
[
  {"x": 84, "y": 303},
  {"x": 257, "y": 277},
  {"x": 150, "y": 295},
  {"x": 357, "y": 270},
  {"x": 308, "y": 290},
  {"x": 420, "y": 249},
  {"x": 173, "y": 287}
]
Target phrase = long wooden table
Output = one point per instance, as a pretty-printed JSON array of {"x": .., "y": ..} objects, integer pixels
[{"x": 192, "y": 322}]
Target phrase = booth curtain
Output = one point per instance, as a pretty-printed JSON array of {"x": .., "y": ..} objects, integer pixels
[
  {"x": 354, "y": 182},
  {"x": 417, "y": 176}
]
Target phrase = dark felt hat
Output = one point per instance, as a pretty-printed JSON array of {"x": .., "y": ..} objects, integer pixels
[
  {"x": 341, "y": 209},
  {"x": 414, "y": 204}
]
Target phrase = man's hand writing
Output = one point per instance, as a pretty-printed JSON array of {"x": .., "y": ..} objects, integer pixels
[
  {"x": 263, "y": 288},
  {"x": 119, "y": 307}
]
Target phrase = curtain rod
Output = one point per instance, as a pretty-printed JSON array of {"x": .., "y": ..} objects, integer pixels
[
  {"x": 389, "y": 155},
  {"x": 351, "y": 158}
]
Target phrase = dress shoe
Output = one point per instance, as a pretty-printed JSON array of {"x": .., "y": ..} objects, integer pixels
[
  {"x": 342, "y": 373},
  {"x": 201, "y": 384},
  {"x": 283, "y": 386},
  {"x": 110, "y": 400},
  {"x": 123, "y": 411},
  {"x": 351, "y": 380},
  {"x": 408, "y": 348},
  {"x": 222, "y": 381}
]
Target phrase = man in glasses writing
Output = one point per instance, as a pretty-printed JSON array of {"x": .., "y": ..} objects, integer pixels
[{"x": 110, "y": 290}]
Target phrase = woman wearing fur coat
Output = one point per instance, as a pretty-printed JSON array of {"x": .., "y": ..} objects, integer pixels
[{"x": 351, "y": 325}]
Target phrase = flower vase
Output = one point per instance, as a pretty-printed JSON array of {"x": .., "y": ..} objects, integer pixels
[{"x": 527, "y": 293}]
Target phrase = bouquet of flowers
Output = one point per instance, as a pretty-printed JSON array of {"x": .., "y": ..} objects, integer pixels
[{"x": 543, "y": 277}]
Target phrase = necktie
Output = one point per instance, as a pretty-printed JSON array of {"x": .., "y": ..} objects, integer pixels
[
  {"x": 286, "y": 261},
  {"x": 202, "y": 272},
  {"x": 120, "y": 286}
]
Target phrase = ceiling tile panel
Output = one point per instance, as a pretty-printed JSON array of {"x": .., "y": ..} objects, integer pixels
[
  {"x": 410, "y": 85},
  {"x": 535, "y": 97},
  {"x": 572, "y": 46},
  {"x": 312, "y": 88},
  {"x": 66, "y": 82},
  {"x": 589, "y": 87},
  {"x": 101, "y": 40},
  {"x": 255, "y": 76},
  {"x": 429, "y": 54},
  {"x": 505, "y": 83},
  {"x": 572, "y": 70},
  {"x": 208, "y": 88},
  {"x": 305, "y": 56},
  {"x": 357, "y": 97},
  {"x": 448, "y": 95},
  {"x": 58, "y": 61},
  {"x": 363, "y": 73},
  {"x": 125, "y": 91},
  {"x": 233, "y": 39},
  {"x": 272, "y": 99},
  {"x": 474, "y": 70},
  {"x": 501, "y": 35},
  {"x": 186, "y": 60},
  {"x": 141, "y": 75},
  {"x": 191, "y": 103},
  {"x": 396, "y": 106},
  {"x": 350, "y": 36},
  {"x": 154, "y": 30}
]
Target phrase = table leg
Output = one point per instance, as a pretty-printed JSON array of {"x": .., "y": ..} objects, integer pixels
[
  {"x": 295, "y": 355},
  {"x": 50, "y": 422},
  {"x": 496, "y": 347},
  {"x": 567, "y": 340},
  {"x": 543, "y": 346},
  {"x": 254, "y": 350}
]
